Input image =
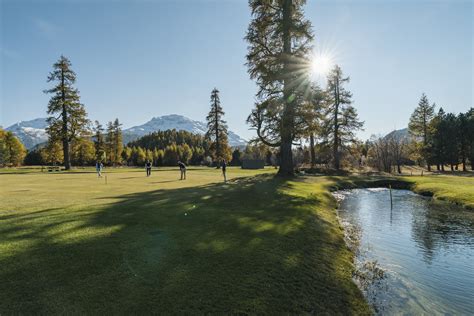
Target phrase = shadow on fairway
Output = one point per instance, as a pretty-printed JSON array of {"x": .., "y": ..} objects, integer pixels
[
  {"x": 245, "y": 247},
  {"x": 166, "y": 181}
]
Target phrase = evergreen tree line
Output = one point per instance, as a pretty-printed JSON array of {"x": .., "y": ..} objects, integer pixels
[
  {"x": 166, "y": 148},
  {"x": 436, "y": 139},
  {"x": 442, "y": 139}
]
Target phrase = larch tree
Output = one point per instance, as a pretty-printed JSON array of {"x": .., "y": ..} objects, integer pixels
[
  {"x": 118, "y": 141},
  {"x": 99, "y": 141},
  {"x": 53, "y": 152},
  {"x": 82, "y": 151},
  {"x": 217, "y": 129},
  {"x": 419, "y": 125},
  {"x": 68, "y": 118},
  {"x": 341, "y": 119},
  {"x": 312, "y": 116},
  {"x": 279, "y": 40},
  {"x": 12, "y": 150},
  {"x": 109, "y": 143},
  {"x": 114, "y": 142}
]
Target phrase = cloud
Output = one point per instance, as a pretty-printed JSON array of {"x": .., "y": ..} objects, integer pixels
[{"x": 46, "y": 28}]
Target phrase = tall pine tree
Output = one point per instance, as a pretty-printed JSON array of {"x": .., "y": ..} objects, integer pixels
[
  {"x": 341, "y": 119},
  {"x": 419, "y": 125},
  {"x": 217, "y": 129},
  {"x": 109, "y": 143},
  {"x": 118, "y": 141},
  {"x": 68, "y": 118},
  {"x": 114, "y": 142},
  {"x": 470, "y": 118},
  {"x": 99, "y": 142},
  {"x": 464, "y": 138},
  {"x": 279, "y": 40},
  {"x": 436, "y": 143}
]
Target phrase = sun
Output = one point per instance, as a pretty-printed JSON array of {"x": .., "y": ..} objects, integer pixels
[{"x": 321, "y": 64}]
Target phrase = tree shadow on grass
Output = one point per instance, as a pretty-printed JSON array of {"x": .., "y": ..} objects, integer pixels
[{"x": 244, "y": 247}]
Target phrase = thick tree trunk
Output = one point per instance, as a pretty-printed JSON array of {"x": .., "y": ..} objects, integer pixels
[
  {"x": 67, "y": 156},
  {"x": 337, "y": 164},
  {"x": 399, "y": 169},
  {"x": 286, "y": 162},
  {"x": 429, "y": 166},
  {"x": 217, "y": 134},
  {"x": 464, "y": 164},
  {"x": 438, "y": 167},
  {"x": 287, "y": 124},
  {"x": 442, "y": 167},
  {"x": 312, "y": 152},
  {"x": 452, "y": 167}
]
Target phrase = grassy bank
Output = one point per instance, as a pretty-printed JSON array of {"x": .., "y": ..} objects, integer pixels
[
  {"x": 71, "y": 243},
  {"x": 458, "y": 189},
  {"x": 454, "y": 189}
]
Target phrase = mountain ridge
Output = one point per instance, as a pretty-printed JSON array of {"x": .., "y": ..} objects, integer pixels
[{"x": 33, "y": 132}]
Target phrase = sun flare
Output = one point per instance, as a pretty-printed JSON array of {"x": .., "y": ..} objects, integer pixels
[{"x": 321, "y": 64}]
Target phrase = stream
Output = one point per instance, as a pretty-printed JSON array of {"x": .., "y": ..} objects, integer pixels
[{"x": 414, "y": 258}]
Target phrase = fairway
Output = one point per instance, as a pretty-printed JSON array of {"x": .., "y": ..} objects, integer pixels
[{"x": 259, "y": 244}]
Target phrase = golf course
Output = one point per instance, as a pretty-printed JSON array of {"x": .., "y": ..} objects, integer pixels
[{"x": 72, "y": 242}]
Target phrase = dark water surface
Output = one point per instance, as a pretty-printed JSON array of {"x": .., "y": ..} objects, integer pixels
[{"x": 424, "y": 248}]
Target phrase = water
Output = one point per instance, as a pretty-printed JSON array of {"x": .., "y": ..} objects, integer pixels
[{"x": 418, "y": 257}]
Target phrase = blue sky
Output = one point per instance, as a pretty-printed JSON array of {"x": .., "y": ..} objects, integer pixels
[{"x": 139, "y": 59}]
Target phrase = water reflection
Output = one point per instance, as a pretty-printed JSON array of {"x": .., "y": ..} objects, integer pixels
[
  {"x": 425, "y": 248},
  {"x": 441, "y": 226}
]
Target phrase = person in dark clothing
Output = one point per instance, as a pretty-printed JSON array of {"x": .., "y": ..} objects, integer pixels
[
  {"x": 224, "y": 166},
  {"x": 98, "y": 168},
  {"x": 182, "y": 168},
  {"x": 148, "y": 168}
]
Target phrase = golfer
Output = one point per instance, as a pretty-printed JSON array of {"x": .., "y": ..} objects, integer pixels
[
  {"x": 148, "y": 168},
  {"x": 98, "y": 168},
  {"x": 182, "y": 168},
  {"x": 224, "y": 166}
]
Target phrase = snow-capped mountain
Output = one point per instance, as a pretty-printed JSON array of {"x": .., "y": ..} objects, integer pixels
[
  {"x": 31, "y": 133},
  {"x": 166, "y": 122},
  {"x": 177, "y": 122}
]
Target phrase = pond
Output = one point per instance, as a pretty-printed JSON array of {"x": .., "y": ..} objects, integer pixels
[{"x": 414, "y": 258}]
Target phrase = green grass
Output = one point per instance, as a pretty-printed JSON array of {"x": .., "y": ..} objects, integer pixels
[
  {"x": 458, "y": 189},
  {"x": 455, "y": 189},
  {"x": 69, "y": 243}
]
